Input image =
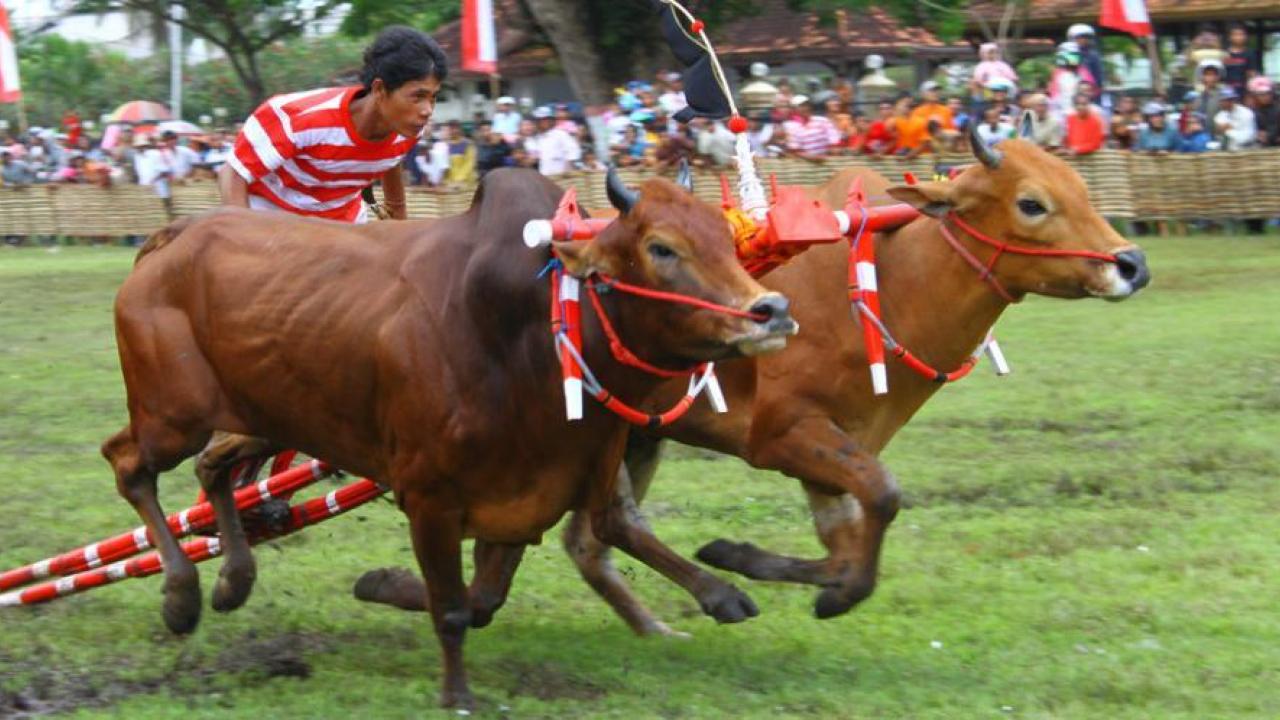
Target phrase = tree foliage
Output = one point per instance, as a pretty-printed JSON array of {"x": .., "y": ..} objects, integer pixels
[
  {"x": 60, "y": 75},
  {"x": 367, "y": 17},
  {"x": 242, "y": 29},
  {"x": 944, "y": 17}
]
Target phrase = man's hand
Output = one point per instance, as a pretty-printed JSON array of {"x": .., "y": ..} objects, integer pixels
[
  {"x": 232, "y": 188},
  {"x": 393, "y": 194}
]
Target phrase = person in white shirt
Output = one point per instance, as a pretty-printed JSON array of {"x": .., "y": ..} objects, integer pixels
[
  {"x": 153, "y": 168},
  {"x": 673, "y": 100},
  {"x": 1236, "y": 124},
  {"x": 556, "y": 150},
  {"x": 181, "y": 159},
  {"x": 993, "y": 128},
  {"x": 506, "y": 121}
]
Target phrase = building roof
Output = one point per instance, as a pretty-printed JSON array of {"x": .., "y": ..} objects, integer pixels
[
  {"x": 1052, "y": 13},
  {"x": 778, "y": 34}
]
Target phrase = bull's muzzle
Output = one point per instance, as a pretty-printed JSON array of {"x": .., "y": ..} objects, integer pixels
[{"x": 773, "y": 324}]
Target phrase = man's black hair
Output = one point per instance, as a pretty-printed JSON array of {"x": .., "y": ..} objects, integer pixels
[{"x": 401, "y": 54}]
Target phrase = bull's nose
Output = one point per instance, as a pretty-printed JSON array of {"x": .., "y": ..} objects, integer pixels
[
  {"x": 1132, "y": 266},
  {"x": 770, "y": 308}
]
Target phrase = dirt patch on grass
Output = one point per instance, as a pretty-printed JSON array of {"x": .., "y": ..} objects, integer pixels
[
  {"x": 32, "y": 688},
  {"x": 545, "y": 682}
]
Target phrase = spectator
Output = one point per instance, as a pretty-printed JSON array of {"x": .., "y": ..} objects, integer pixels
[
  {"x": 835, "y": 112},
  {"x": 1210, "y": 75},
  {"x": 154, "y": 168},
  {"x": 1048, "y": 129},
  {"x": 506, "y": 121},
  {"x": 1190, "y": 101},
  {"x": 73, "y": 172},
  {"x": 1239, "y": 64},
  {"x": 1235, "y": 123},
  {"x": 1091, "y": 68},
  {"x": 959, "y": 113},
  {"x": 1266, "y": 111},
  {"x": 1196, "y": 138},
  {"x": 994, "y": 129},
  {"x": 672, "y": 101},
  {"x": 881, "y": 139},
  {"x": 809, "y": 136},
  {"x": 911, "y": 134},
  {"x": 1126, "y": 121},
  {"x": 462, "y": 156},
  {"x": 589, "y": 162},
  {"x": 714, "y": 141},
  {"x": 760, "y": 135},
  {"x": 930, "y": 109},
  {"x": 1000, "y": 90},
  {"x": 14, "y": 171},
  {"x": 565, "y": 121},
  {"x": 1064, "y": 81},
  {"x": 492, "y": 149},
  {"x": 632, "y": 149},
  {"x": 991, "y": 67},
  {"x": 528, "y": 139},
  {"x": 671, "y": 148},
  {"x": 180, "y": 158},
  {"x": 555, "y": 149},
  {"x": 1085, "y": 130},
  {"x": 1157, "y": 135}
]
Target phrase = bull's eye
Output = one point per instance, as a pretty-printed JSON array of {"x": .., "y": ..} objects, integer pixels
[
  {"x": 661, "y": 252},
  {"x": 1031, "y": 208}
]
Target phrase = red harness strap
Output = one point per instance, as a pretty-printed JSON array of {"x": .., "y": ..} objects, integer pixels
[{"x": 567, "y": 331}]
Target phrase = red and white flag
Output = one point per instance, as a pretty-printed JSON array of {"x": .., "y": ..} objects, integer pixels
[
  {"x": 1126, "y": 16},
  {"x": 10, "y": 88},
  {"x": 479, "y": 42}
]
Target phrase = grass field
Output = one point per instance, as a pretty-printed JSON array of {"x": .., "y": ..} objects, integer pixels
[{"x": 1095, "y": 536}]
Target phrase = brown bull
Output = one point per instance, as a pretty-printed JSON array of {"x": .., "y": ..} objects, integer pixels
[
  {"x": 419, "y": 355},
  {"x": 809, "y": 411}
]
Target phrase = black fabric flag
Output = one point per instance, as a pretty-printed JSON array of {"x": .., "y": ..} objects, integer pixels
[{"x": 701, "y": 91}]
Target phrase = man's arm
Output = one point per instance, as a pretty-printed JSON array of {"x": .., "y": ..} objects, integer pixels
[
  {"x": 232, "y": 188},
  {"x": 393, "y": 194}
]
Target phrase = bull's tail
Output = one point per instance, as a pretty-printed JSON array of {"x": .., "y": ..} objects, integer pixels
[{"x": 162, "y": 237}]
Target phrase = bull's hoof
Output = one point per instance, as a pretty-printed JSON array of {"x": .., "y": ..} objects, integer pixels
[
  {"x": 181, "y": 610},
  {"x": 232, "y": 589},
  {"x": 836, "y": 601},
  {"x": 396, "y": 587},
  {"x": 723, "y": 554},
  {"x": 728, "y": 604},
  {"x": 457, "y": 700}
]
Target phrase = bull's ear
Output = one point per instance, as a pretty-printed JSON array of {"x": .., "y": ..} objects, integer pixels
[
  {"x": 581, "y": 258},
  {"x": 931, "y": 198}
]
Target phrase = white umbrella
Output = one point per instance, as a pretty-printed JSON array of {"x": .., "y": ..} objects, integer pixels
[{"x": 179, "y": 127}]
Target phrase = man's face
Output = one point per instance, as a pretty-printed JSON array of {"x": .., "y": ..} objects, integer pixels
[
  {"x": 804, "y": 110},
  {"x": 929, "y": 96},
  {"x": 886, "y": 110},
  {"x": 545, "y": 124},
  {"x": 1239, "y": 37},
  {"x": 955, "y": 105},
  {"x": 1000, "y": 96},
  {"x": 408, "y": 108},
  {"x": 1042, "y": 108},
  {"x": 833, "y": 106},
  {"x": 455, "y": 131},
  {"x": 1194, "y": 126},
  {"x": 1128, "y": 104},
  {"x": 1210, "y": 77},
  {"x": 1082, "y": 107}
]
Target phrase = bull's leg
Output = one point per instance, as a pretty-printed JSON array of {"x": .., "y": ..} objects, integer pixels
[
  {"x": 616, "y": 521},
  {"x": 830, "y": 464},
  {"x": 592, "y": 556},
  {"x": 496, "y": 565},
  {"x": 136, "y": 464},
  {"x": 436, "y": 526},
  {"x": 219, "y": 459}
]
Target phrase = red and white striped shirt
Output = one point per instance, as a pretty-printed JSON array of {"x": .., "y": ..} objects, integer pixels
[{"x": 301, "y": 153}]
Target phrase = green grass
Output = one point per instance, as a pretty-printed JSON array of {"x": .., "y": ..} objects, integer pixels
[{"x": 1093, "y": 537}]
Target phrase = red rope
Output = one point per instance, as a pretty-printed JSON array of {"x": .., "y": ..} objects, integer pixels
[
  {"x": 620, "y": 351},
  {"x": 678, "y": 299}
]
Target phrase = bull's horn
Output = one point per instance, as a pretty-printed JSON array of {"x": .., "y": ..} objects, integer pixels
[
  {"x": 988, "y": 156},
  {"x": 684, "y": 176},
  {"x": 619, "y": 196}
]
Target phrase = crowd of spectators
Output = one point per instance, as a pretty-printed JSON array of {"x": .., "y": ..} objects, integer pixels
[{"x": 1232, "y": 106}]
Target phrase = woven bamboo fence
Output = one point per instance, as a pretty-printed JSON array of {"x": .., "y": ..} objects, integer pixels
[{"x": 1122, "y": 186}]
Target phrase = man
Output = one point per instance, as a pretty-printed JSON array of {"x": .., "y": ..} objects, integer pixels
[
  {"x": 1085, "y": 130},
  {"x": 311, "y": 153},
  {"x": 1090, "y": 59},
  {"x": 673, "y": 101},
  {"x": 155, "y": 168},
  {"x": 1157, "y": 135},
  {"x": 14, "y": 172},
  {"x": 1049, "y": 131},
  {"x": 462, "y": 156},
  {"x": 1210, "y": 72},
  {"x": 809, "y": 136},
  {"x": 492, "y": 150},
  {"x": 880, "y": 139},
  {"x": 506, "y": 121},
  {"x": 930, "y": 109},
  {"x": 182, "y": 159},
  {"x": 1235, "y": 123},
  {"x": 1240, "y": 64},
  {"x": 1126, "y": 122},
  {"x": 555, "y": 149}
]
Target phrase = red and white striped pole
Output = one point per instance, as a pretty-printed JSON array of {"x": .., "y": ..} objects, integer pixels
[
  {"x": 184, "y": 523},
  {"x": 300, "y": 516}
]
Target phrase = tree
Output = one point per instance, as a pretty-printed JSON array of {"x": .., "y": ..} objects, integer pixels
[
  {"x": 242, "y": 29},
  {"x": 945, "y": 17}
]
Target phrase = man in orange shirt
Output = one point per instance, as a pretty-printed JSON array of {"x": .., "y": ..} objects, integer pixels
[
  {"x": 912, "y": 133},
  {"x": 931, "y": 109},
  {"x": 1085, "y": 130}
]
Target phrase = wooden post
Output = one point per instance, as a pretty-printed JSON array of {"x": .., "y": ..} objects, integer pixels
[{"x": 1153, "y": 55}]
